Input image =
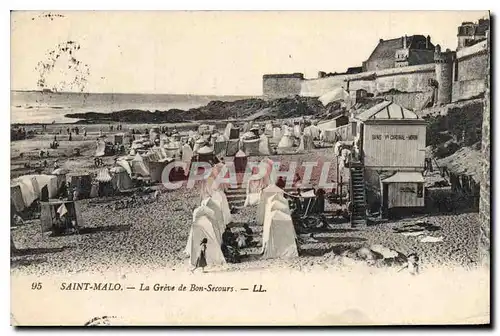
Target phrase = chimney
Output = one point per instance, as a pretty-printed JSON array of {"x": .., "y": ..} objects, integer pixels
[
  {"x": 381, "y": 40},
  {"x": 427, "y": 42},
  {"x": 405, "y": 41}
]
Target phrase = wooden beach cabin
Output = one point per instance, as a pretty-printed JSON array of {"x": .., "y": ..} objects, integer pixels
[
  {"x": 389, "y": 141},
  {"x": 60, "y": 215}
]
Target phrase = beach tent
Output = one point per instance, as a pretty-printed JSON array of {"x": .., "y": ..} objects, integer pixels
[
  {"x": 121, "y": 179},
  {"x": 105, "y": 184},
  {"x": 240, "y": 162},
  {"x": 251, "y": 146},
  {"x": 83, "y": 183},
  {"x": 49, "y": 181},
  {"x": 220, "y": 145},
  {"x": 199, "y": 144},
  {"x": 205, "y": 154},
  {"x": 313, "y": 130},
  {"x": 306, "y": 143},
  {"x": 29, "y": 189},
  {"x": 265, "y": 195},
  {"x": 187, "y": 153},
  {"x": 277, "y": 133},
  {"x": 219, "y": 196},
  {"x": 155, "y": 169},
  {"x": 247, "y": 126},
  {"x": 16, "y": 197},
  {"x": 172, "y": 149},
  {"x": 268, "y": 129},
  {"x": 138, "y": 166},
  {"x": 118, "y": 138},
  {"x": 201, "y": 211},
  {"x": 276, "y": 202},
  {"x": 103, "y": 176},
  {"x": 253, "y": 190},
  {"x": 100, "y": 149},
  {"x": 286, "y": 141},
  {"x": 278, "y": 236},
  {"x": 218, "y": 222},
  {"x": 204, "y": 228},
  {"x": 297, "y": 131},
  {"x": 60, "y": 173},
  {"x": 264, "y": 147},
  {"x": 233, "y": 146},
  {"x": 124, "y": 163}
]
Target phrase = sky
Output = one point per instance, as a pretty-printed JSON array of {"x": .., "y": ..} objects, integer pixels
[{"x": 209, "y": 53}]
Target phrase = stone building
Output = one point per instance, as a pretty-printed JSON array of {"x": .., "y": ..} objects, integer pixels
[
  {"x": 469, "y": 33},
  {"x": 400, "y": 52}
]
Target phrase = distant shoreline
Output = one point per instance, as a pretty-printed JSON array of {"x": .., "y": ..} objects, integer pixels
[{"x": 215, "y": 110}]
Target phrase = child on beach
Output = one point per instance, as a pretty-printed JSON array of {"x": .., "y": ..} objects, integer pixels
[{"x": 202, "y": 259}]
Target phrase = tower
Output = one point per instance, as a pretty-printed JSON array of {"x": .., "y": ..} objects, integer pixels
[{"x": 444, "y": 74}]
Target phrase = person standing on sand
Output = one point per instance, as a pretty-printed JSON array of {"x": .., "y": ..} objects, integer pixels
[{"x": 201, "y": 261}]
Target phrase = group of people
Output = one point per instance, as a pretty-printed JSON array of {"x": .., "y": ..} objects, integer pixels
[{"x": 231, "y": 245}]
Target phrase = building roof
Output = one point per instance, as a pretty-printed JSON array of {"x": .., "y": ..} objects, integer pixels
[
  {"x": 403, "y": 177},
  {"x": 386, "y": 110},
  {"x": 386, "y": 49}
]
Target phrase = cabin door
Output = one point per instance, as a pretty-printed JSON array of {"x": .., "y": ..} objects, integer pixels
[{"x": 385, "y": 199}]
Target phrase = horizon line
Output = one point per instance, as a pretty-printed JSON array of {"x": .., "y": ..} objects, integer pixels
[{"x": 150, "y": 93}]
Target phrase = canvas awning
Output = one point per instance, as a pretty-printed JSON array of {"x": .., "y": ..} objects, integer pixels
[{"x": 404, "y": 177}]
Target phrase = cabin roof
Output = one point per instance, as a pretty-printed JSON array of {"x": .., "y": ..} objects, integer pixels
[{"x": 387, "y": 110}]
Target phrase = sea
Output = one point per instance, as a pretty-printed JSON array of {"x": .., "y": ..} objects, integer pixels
[{"x": 37, "y": 107}]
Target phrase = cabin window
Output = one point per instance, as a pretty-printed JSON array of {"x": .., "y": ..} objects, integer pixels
[
  {"x": 354, "y": 129},
  {"x": 420, "y": 190}
]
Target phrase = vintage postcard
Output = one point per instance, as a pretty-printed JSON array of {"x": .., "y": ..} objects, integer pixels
[{"x": 180, "y": 168}]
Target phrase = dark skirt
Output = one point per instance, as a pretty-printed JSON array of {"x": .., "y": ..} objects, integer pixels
[{"x": 202, "y": 260}]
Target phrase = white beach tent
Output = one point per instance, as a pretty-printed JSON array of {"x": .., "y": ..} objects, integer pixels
[
  {"x": 268, "y": 130},
  {"x": 121, "y": 178},
  {"x": 220, "y": 145},
  {"x": 187, "y": 153},
  {"x": 266, "y": 193},
  {"x": 277, "y": 133},
  {"x": 216, "y": 207},
  {"x": 286, "y": 141},
  {"x": 278, "y": 236},
  {"x": 204, "y": 228},
  {"x": 220, "y": 196},
  {"x": 201, "y": 211},
  {"x": 264, "y": 147},
  {"x": 297, "y": 131},
  {"x": 138, "y": 166},
  {"x": 29, "y": 191},
  {"x": 45, "y": 180}
]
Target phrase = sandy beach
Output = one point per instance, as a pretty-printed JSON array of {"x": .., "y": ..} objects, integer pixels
[{"x": 154, "y": 235}]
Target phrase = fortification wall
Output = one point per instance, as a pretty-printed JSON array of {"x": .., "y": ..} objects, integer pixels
[
  {"x": 281, "y": 86},
  {"x": 407, "y": 79},
  {"x": 484, "y": 203},
  {"x": 320, "y": 86},
  {"x": 470, "y": 71}
]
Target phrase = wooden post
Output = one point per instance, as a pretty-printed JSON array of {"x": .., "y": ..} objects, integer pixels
[
  {"x": 341, "y": 190},
  {"x": 337, "y": 181}
]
